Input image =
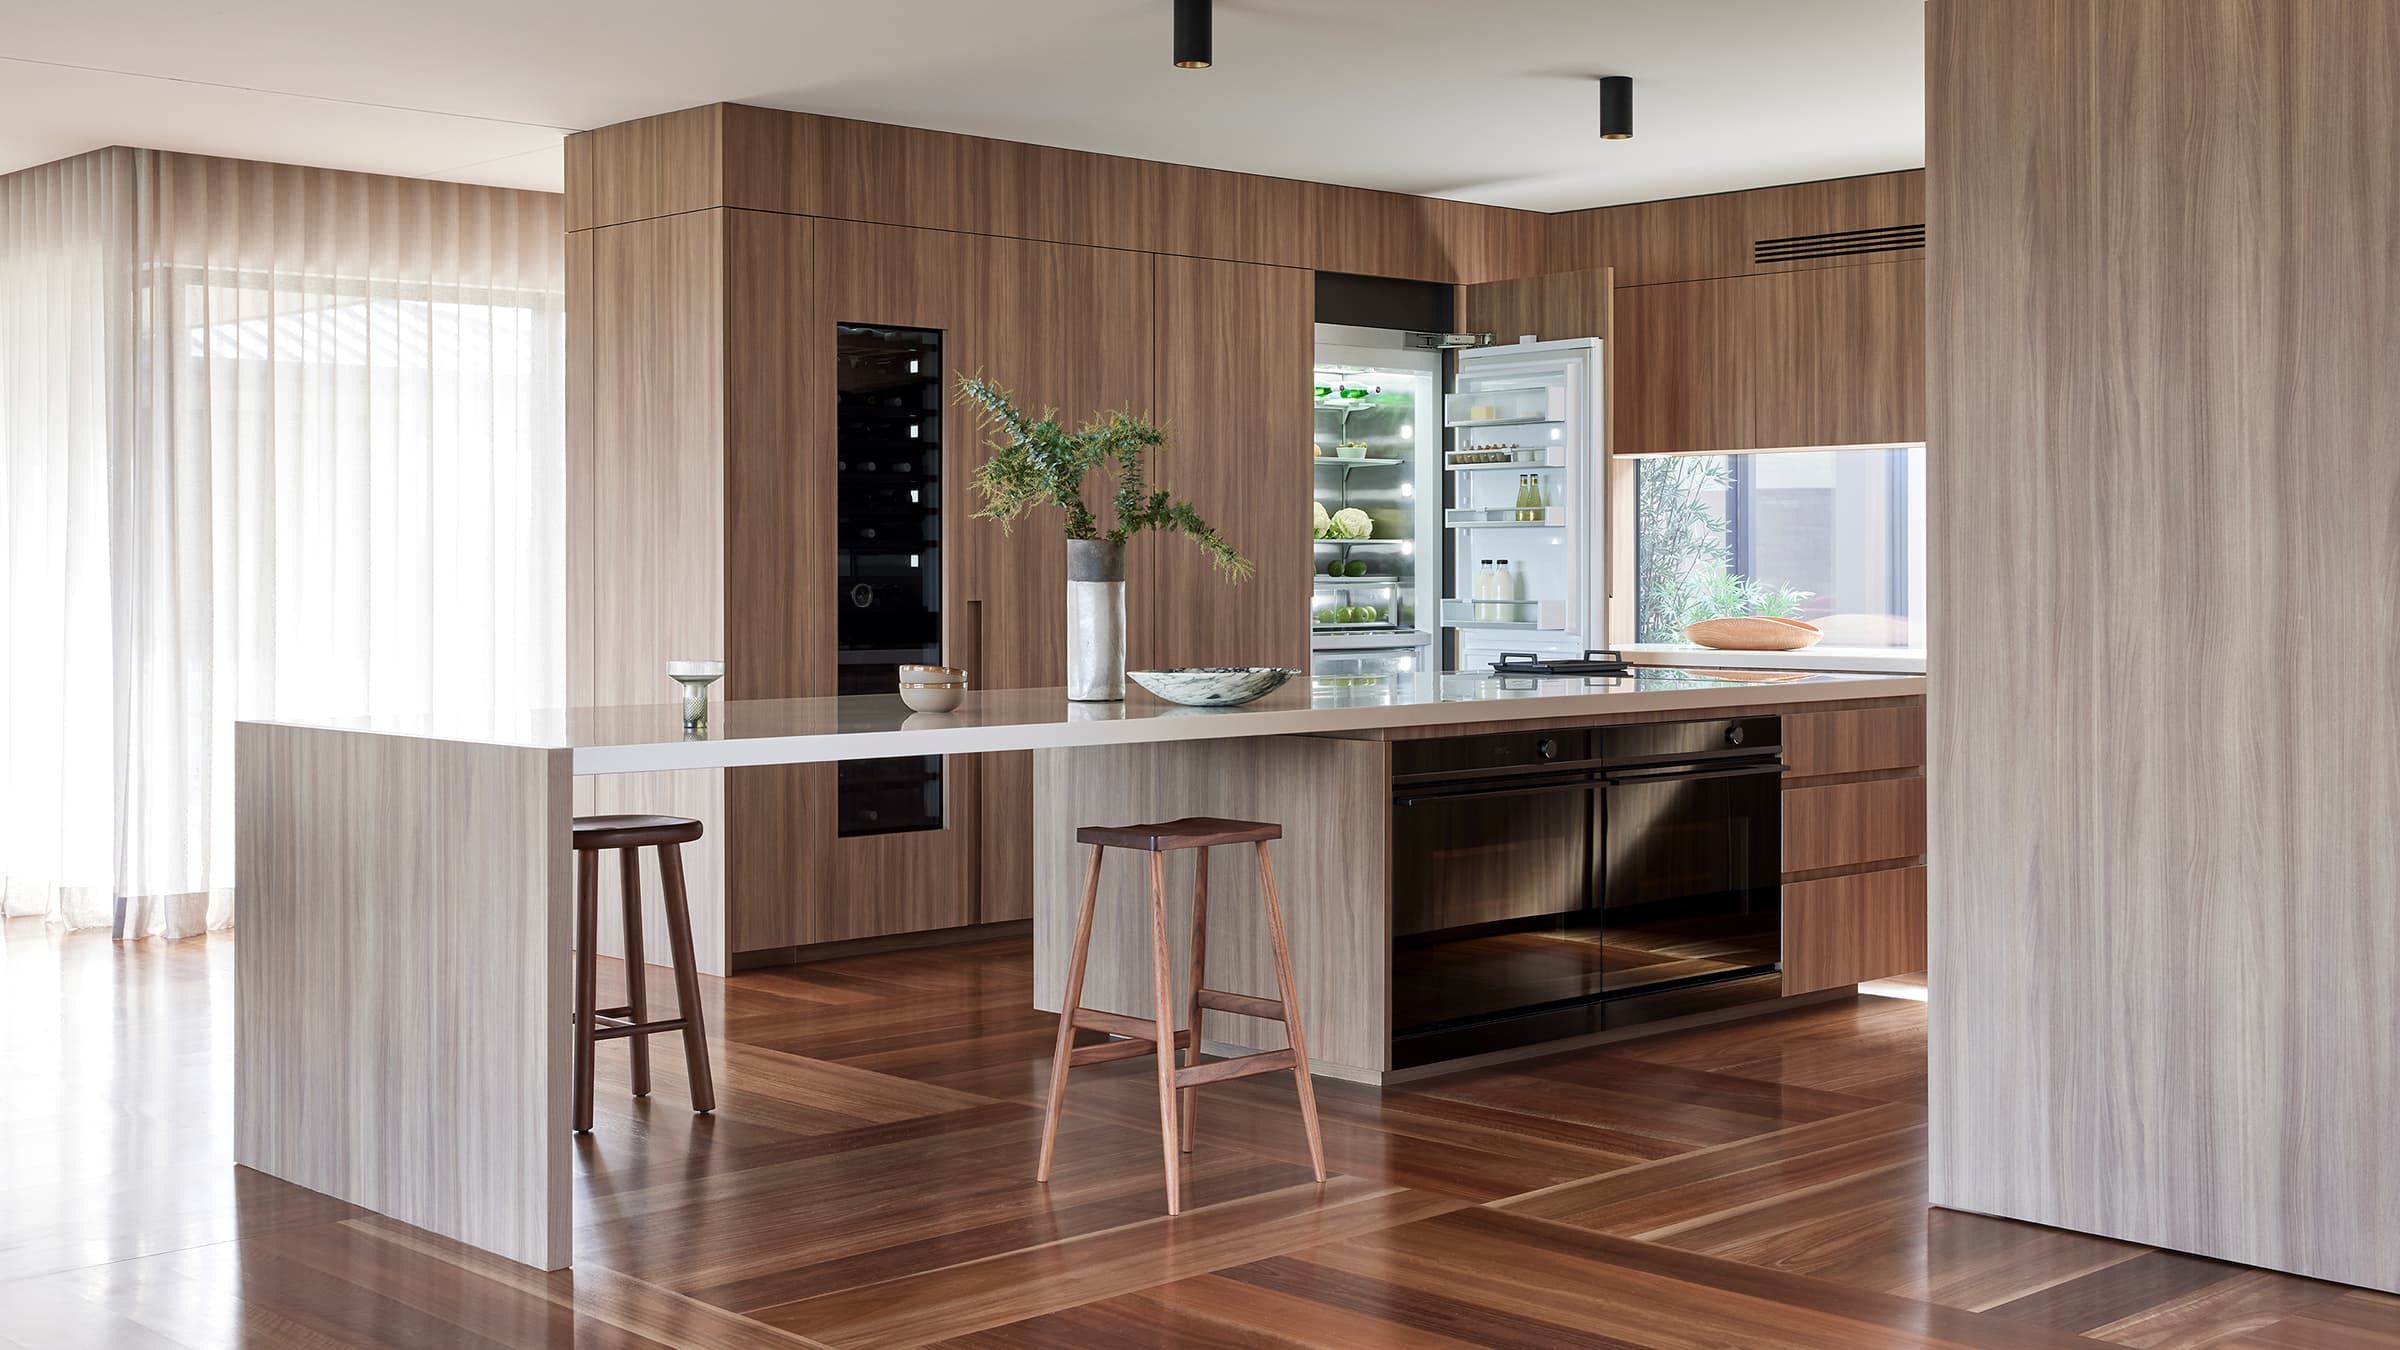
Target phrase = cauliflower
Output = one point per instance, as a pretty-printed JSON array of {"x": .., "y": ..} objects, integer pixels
[
  {"x": 1352, "y": 523},
  {"x": 1323, "y": 524}
]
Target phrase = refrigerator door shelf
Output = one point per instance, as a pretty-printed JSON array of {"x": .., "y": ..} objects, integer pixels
[
  {"x": 1533, "y": 615},
  {"x": 1505, "y": 407}
]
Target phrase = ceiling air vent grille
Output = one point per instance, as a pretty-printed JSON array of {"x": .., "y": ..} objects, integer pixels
[{"x": 1889, "y": 239}]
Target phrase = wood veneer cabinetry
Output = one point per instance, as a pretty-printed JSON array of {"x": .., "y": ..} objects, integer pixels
[
  {"x": 1837, "y": 354},
  {"x": 1847, "y": 929},
  {"x": 1853, "y": 845},
  {"x": 1556, "y": 305},
  {"x": 793, "y": 163},
  {"x": 1823, "y": 357},
  {"x": 1676, "y": 383},
  {"x": 1694, "y": 238},
  {"x": 1234, "y": 342},
  {"x": 1865, "y": 740}
]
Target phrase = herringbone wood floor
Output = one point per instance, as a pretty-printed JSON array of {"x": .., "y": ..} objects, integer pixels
[{"x": 867, "y": 1181}]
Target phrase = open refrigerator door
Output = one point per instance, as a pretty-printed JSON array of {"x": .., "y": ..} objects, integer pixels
[{"x": 1526, "y": 502}]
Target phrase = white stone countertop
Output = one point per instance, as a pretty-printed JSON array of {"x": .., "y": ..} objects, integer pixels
[
  {"x": 877, "y": 726},
  {"x": 1823, "y": 656}
]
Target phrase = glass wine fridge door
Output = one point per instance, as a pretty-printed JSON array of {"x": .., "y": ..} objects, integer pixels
[{"x": 888, "y": 476}]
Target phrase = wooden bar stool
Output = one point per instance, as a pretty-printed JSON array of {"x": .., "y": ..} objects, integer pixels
[
  {"x": 1157, "y": 1034},
  {"x": 630, "y": 835}
]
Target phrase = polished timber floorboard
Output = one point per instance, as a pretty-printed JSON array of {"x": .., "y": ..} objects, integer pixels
[{"x": 867, "y": 1181}]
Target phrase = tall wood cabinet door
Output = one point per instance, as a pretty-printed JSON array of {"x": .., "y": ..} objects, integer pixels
[
  {"x": 1679, "y": 380},
  {"x": 1840, "y": 354},
  {"x": 1550, "y": 307},
  {"x": 911, "y": 881},
  {"x": 1059, "y": 326},
  {"x": 1234, "y": 347}
]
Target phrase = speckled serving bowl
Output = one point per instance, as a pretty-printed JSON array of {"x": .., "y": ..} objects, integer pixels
[{"x": 1212, "y": 686}]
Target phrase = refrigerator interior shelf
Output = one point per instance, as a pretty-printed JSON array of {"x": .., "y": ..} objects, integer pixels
[
  {"x": 1337, "y": 462},
  {"x": 1506, "y": 407},
  {"x": 1383, "y": 625},
  {"x": 1361, "y": 543},
  {"x": 1358, "y": 583}
]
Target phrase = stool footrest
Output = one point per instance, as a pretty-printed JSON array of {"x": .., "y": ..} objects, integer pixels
[
  {"x": 1217, "y": 1000},
  {"x": 1108, "y": 1050},
  {"x": 1226, "y": 1070},
  {"x": 610, "y": 1031},
  {"x": 1115, "y": 1024}
]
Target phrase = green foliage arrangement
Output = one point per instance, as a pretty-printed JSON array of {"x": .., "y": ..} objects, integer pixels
[
  {"x": 1684, "y": 561},
  {"x": 1038, "y": 461}
]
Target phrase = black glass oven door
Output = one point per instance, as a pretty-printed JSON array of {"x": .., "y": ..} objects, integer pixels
[{"x": 1692, "y": 875}]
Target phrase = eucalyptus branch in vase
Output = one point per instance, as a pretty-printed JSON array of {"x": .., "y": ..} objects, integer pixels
[{"x": 1038, "y": 461}]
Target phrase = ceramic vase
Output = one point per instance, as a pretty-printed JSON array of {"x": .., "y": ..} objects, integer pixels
[{"x": 1095, "y": 620}]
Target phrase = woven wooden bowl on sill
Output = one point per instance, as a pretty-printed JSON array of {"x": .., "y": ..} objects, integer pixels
[{"x": 1754, "y": 633}]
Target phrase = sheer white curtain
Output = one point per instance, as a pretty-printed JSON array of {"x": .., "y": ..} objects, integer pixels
[
  {"x": 66, "y": 292},
  {"x": 339, "y": 487}
]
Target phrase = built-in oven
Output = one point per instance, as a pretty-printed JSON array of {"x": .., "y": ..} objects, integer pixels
[{"x": 1552, "y": 884}]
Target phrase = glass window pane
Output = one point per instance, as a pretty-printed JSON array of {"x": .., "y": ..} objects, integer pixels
[{"x": 1835, "y": 537}]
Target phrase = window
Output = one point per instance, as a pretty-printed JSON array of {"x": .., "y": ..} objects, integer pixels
[{"x": 1836, "y": 537}]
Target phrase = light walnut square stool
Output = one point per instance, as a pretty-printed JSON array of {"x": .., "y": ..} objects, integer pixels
[{"x": 1157, "y": 1034}]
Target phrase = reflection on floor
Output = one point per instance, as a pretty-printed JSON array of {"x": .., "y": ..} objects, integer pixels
[{"x": 868, "y": 1182}]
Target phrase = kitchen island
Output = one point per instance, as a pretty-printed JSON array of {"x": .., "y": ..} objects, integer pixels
[{"x": 402, "y": 978}]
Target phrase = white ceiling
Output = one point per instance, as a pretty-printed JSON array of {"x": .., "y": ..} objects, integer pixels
[{"x": 1489, "y": 102}]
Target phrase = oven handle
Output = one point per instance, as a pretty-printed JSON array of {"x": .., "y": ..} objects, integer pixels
[
  {"x": 1683, "y": 773},
  {"x": 1509, "y": 790}
]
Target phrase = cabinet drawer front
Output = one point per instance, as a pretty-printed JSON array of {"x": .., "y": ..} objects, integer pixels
[
  {"x": 1842, "y": 930},
  {"x": 1858, "y": 741},
  {"x": 1844, "y": 824}
]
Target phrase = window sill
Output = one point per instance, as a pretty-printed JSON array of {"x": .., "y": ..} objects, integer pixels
[{"x": 1876, "y": 660}]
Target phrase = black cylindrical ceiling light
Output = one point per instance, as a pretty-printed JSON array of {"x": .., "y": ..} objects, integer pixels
[
  {"x": 1192, "y": 36},
  {"x": 1616, "y": 107}
]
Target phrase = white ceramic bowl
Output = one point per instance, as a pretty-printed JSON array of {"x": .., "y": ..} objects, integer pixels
[
  {"x": 927, "y": 675},
  {"x": 1212, "y": 686},
  {"x": 933, "y": 698}
]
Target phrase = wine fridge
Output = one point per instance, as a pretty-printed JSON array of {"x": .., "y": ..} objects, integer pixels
[{"x": 888, "y": 477}]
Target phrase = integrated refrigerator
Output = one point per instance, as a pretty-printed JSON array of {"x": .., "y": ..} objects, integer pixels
[{"x": 1460, "y": 501}]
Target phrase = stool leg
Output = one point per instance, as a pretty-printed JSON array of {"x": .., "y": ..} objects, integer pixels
[
  {"x": 1162, "y": 982},
  {"x": 1291, "y": 1013},
  {"x": 1191, "y": 1095},
  {"x": 587, "y": 967},
  {"x": 687, "y": 978},
  {"x": 637, "y": 997},
  {"x": 1067, "y": 1005}
]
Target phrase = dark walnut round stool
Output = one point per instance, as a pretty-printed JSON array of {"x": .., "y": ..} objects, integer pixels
[
  {"x": 630, "y": 835},
  {"x": 1157, "y": 1033}
]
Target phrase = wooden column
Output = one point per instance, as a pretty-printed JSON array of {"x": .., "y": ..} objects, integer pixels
[{"x": 2165, "y": 904}]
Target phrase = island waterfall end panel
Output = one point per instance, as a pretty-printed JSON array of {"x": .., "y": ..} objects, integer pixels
[
  {"x": 2165, "y": 904},
  {"x": 402, "y": 986}
]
